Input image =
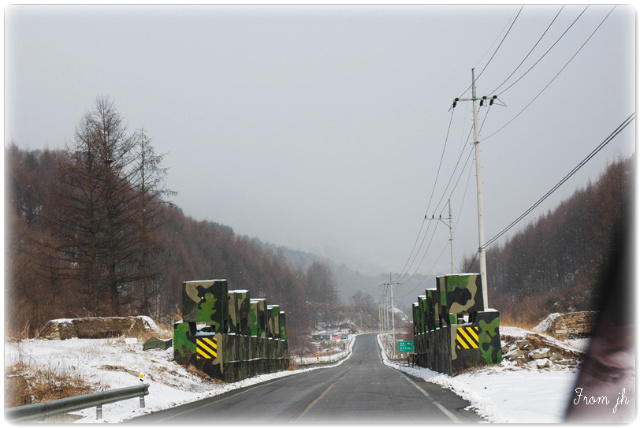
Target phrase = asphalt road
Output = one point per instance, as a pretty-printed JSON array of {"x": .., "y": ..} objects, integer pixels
[{"x": 361, "y": 390}]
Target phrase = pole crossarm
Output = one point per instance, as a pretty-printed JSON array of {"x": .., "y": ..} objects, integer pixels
[{"x": 450, "y": 226}]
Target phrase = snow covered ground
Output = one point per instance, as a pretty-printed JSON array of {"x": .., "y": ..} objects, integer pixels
[
  {"x": 506, "y": 393},
  {"x": 114, "y": 363},
  {"x": 502, "y": 393}
]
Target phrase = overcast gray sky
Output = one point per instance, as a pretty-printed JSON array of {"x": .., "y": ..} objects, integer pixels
[{"x": 321, "y": 128}]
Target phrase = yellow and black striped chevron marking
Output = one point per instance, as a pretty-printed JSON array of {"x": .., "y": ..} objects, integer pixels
[
  {"x": 207, "y": 348},
  {"x": 467, "y": 337}
]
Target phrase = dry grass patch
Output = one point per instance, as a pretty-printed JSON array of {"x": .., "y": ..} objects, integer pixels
[
  {"x": 25, "y": 384},
  {"x": 508, "y": 320},
  {"x": 164, "y": 331},
  {"x": 191, "y": 369}
]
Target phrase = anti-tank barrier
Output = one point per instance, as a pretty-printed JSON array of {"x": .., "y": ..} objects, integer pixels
[
  {"x": 452, "y": 331},
  {"x": 228, "y": 335}
]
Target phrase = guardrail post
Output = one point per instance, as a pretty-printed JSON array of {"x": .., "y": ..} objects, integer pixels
[{"x": 65, "y": 405}]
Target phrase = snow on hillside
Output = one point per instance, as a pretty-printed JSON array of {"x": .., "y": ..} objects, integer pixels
[
  {"x": 502, "y": 393},
  {"x": 115, "y": 363}
]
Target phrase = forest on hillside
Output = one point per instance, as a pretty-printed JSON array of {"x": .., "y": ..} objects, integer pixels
[
  {"x": 91, "y": 231},
  {"x": 558, "y": 262}
]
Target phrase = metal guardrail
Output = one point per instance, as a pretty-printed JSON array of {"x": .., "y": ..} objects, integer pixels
[
  {"x": 39, "y": 411},
  {"x": 324, "y": 363}
]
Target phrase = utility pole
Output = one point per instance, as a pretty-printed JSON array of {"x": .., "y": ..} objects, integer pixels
[
  {"x": 453, "y": 269},
  {"x": 476, "y": 143},
  {"x": 385, "y": 311},
  {"x": 450, "y": 225},
  {"x": 393, "y": 317}
]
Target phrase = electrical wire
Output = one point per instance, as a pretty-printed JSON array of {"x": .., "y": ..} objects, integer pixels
[
  {"x": 467, "y": 161},
  {"x": 465, "y": 164},
  {"x": 482, "y": 71},
  {"x": 554, "y": 77},
  {"x": 464, "y": 167},
  {"x": 428, "y": 227},
  {"x": 423, "y": 256},
  {"x": 445, "y": 246},
  {"x": 496, "y": 51},
  {"x": 566, "y": 177},
  {"x": 402, "y": 273},
  {"x": 530, "y": 52},
  {"x": 464, "y": 195},
  {"x": 399, "y": 279},
  {"x": 441, "y": 198},
  {"x": 545, "y": 54},
  {"x": 498, "y": 48},
  {"x": 455, "y": 168}
]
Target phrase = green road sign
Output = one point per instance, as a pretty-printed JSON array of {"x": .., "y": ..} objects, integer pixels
[{"x": 405, "y": 346}]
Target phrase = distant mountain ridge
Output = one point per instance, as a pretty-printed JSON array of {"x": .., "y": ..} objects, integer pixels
[{"x": 350, "y": 280}]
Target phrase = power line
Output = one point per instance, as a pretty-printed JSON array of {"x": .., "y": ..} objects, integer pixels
[
  {"x": 437, "y": 206},
  {"x": 545, "y": 54},
  {"x": 496, "y": 51},
  {"x": 402, "y": 273},
  {"x": 566, "y": 177},
  {"x": 423, "y": 256},
  {"x": 465, "y": 163},
  {"x": 498, "y": 48},
  {"x": 445, "y": 246},
  {"x": 459, "y": 177},
  {"x": 457, "y": 221},
  {"x": 554, "y": 77},
  {"x": 428, "y": 227},
  {"x": 530, "y": 52},
  {"x": 464, "y": 195}
]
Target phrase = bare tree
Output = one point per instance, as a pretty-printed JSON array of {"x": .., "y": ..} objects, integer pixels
[
  {"x": 322, "y": 293},
  {"x": 149, "y": 182},
  {"x": 97, "y": 219}
]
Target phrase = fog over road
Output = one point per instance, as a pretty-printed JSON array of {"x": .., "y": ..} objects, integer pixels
[{"x": 361, "y": 390}]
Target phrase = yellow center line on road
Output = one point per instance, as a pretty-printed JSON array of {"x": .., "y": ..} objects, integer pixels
[{"x": 314, "y": 402}]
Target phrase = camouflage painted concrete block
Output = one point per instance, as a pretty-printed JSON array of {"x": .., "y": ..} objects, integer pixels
[
  {"x": 458, "y": 332},
  {"x": 489, "y": 336},
  {"x": 414, "y": 311},
  {"x": 239, "y": 311},
  {"x": 464, "y": 293},
  {"x": 255, "y": 350},
  {"x": 184, "y": 344},
  {"x": 283, "y": 326},
  {"x": 230, "y": 342},
  {"x": 232, "y": 319},
  {"x": 273, "y": 314},
  {"x": 227, "y": 334},
  {"x": 423, "y": 310},
  {"x": 243, "y": 308},
  {"x": 205, "y": 301},
  {"x": 459, "y": 294},
  {"x": 258, "y": 314}
]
